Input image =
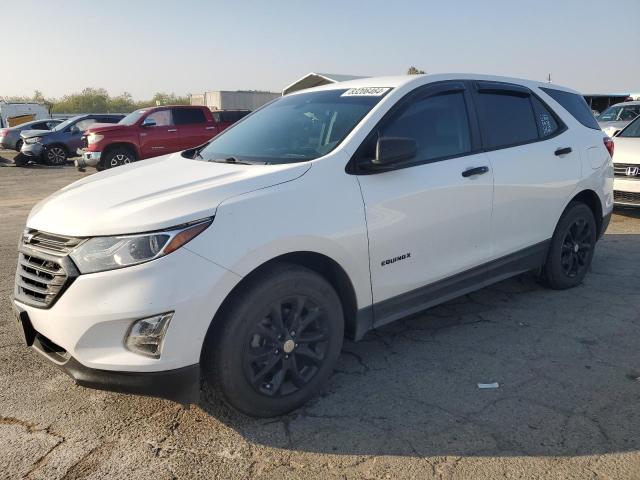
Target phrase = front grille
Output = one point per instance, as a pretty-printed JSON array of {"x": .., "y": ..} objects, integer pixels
[
  {"x": 628, "y": 198},
  {"x": 620, "y": 170},
  {"x": 44, "y": 268}
]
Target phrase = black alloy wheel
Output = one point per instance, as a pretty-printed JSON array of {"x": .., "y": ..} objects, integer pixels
[
  {"x": 55, "y": 155},
  {"x": 576, "y": 248},
  {"x": 285, "y": 347}
]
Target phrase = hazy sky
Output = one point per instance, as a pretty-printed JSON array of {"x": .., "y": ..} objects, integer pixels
[{"x": 188, "y": 46}]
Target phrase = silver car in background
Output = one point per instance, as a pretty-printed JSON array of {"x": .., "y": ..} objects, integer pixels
[
  {"x": 10, "y": 137},
  {"x": 626, "y": 165},
  {"x": 618, "y": 116}
]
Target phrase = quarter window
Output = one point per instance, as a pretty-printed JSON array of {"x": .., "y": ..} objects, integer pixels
[
  {"x": 575, "y": 105},
  {"x": 507, "y": 119},
  {"x": 439, "y": 125},
  {"x": 547, "y": 124}
]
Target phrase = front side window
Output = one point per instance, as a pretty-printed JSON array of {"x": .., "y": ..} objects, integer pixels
[
  {"x": 161, "y": 117},
  {"x": 506, "y": 119},
  {"x": 439, "y": 125},
  {"x": 632, "y": 130},
  {"x": 84, "y": 124},
  {"x": 294, "y": 128}
]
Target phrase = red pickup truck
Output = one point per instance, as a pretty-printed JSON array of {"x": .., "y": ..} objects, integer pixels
[{"x": 150, "y": 132}]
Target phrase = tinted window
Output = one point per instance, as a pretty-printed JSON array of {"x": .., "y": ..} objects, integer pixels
[
  {"x": 620, "y": 113},
  {"x": 187, "y": 116},
  {"x": 574, "y": 104},
  {"x": 231, "y": 116},
  {"x": 547, "y": 124},
  {"x": 506, "y": 119},
  {"x": 161, "y": 117},
  {"x": 632, "y": 130},
  {"x": 39, "y": 126},
  {"x": 439, "y": 125}
]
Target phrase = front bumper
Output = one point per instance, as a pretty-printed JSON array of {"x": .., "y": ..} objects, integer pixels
[
  {"x": 180, "y": 385},
  {"x": 626, "y": 192},
  {"x": 32, "y": 149},
  {"x": 87, "y": 159}
]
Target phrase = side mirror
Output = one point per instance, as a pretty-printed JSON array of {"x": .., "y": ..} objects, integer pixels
[
  {"x": 149, "y": 122},
  {"x": 393, "y": 150}
]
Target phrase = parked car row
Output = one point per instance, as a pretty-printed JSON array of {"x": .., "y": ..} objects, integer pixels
[
  {"x": 10, "y": 137},
  {"x": 150, "y": 132}
]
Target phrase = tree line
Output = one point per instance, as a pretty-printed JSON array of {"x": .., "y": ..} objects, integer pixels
[{"x": 98, "y": 100}]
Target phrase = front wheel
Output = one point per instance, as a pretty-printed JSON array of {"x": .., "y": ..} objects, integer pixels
[
  {"x": 118, "y": 157},
  {"x": 19, "y": 144},
  {"x": 55, "y": 155},
  {"x": 276, "y": 342},
  {"x": 572, "y": 248}
]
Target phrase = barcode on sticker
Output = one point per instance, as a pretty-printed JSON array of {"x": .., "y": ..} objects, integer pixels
[{"x": 366, "y": 92}]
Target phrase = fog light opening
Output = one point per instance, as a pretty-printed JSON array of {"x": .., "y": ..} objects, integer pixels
[{"x": 146, "y": 335}]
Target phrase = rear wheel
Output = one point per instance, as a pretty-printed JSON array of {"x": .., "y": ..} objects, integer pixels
[
  {"x": 277, "y": 342},
  {"x": 117, "y": 157},
  {"x": 55, "y": 155},
  {"x": 572, "y": 248},
  {"x": 19, "y": 144}
]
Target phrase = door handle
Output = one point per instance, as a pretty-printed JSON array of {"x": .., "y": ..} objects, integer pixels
[
  {"x": 172, "y": 130},
  {"x": 563, "y": 151},
  {"x": 475, "y": 171}
]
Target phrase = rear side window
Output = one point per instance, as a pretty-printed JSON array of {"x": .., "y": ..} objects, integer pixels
[
  {"x": 506, "y": 118},
  {"x": 439, "y": 125},
  {"x": 188, "y": 116},
  {"x": 574, "y": 104}
]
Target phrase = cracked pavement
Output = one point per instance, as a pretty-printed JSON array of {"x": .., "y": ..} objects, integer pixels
[{"x": 402, "y": 403}]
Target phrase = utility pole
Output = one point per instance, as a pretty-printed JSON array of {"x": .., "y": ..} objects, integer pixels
[{"x": 549, "y": 78}]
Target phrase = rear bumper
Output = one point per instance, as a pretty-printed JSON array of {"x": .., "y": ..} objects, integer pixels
[
  {"x": 179, "y": 385},
  {"x": 87, "y": 159}
]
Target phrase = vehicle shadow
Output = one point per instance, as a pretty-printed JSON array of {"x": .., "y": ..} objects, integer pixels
[{"x": 567, "y": 364}]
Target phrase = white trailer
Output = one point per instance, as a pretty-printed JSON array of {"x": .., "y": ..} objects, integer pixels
[
  {"x": 228, "y": 100},
  {"x": 12, "y": 114}
]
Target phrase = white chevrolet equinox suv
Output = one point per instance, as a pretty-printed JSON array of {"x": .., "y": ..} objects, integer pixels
[{"x": 328, "y": 212}]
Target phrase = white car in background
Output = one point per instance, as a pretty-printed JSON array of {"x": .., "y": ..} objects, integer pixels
[
  {"x": 626, "y": 164},
  {"x": 329, "y": 211},
  {"x": 618, "y": 116}
]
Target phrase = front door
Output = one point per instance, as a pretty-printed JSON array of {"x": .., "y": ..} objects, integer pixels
[
  {"x": 161, "y": 138},
  {"x": 429, "y": 220}
]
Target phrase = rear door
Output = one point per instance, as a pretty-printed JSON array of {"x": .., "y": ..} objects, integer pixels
[
  {"x": 536, "y": 164},
  {"x": 161, "y": 138},
  {"x": 193, "y": 125}
]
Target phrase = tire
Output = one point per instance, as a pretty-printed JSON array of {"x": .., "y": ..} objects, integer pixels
[
  {"x": 571, "y": 249},
  {"x": 258, "y": 367},
  {"x": 117, "y": 157},
  {"x": 19, "y": 145},
  {"x": 55, "y": 155}
]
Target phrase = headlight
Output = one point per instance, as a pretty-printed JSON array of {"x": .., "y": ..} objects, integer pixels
[
  {"x": 94, "y": 138},
  {"x": 33, "y": 140},
  {"x": 107, "y": 253}
]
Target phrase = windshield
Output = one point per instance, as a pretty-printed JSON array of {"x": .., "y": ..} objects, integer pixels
[
  {"x": 66, "y": 123},
  {"x": 295, "y": 128},
  {"x": 132, "y": 118},
  {"x": 632, "y": 130},
  {"x": 619, "y": 113}
]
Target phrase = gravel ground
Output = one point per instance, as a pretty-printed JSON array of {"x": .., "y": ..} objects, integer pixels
[{"x": 403, "y": 403}]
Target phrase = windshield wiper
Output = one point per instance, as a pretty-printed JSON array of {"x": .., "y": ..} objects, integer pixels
[{"x": 230, "y": 160}]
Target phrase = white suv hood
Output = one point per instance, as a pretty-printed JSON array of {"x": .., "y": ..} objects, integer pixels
[{"x": 151, "y": 195}]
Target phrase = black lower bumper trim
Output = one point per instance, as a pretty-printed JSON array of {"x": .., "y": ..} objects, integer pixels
[{"x": 180, "y": 385}]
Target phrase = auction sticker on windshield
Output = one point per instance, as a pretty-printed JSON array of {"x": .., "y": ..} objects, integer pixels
[{"x": 366, "y": 92}]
